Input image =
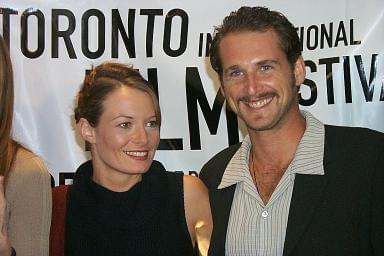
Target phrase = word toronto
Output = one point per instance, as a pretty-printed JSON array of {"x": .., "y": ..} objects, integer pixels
[{"x": 112, "y": 29}]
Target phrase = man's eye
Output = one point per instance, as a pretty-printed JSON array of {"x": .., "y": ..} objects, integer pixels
[
  {"x": 266, "y": 67},
  {"x": 235, "y": 73},
  {"x": 125, "y": 125}
]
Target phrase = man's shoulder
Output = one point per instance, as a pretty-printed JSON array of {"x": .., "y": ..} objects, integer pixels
[
  {"x": 223, "y": 156},
  {"x": 353, "y": 133},
  {"x": 357, "y": 141},
  {"x": 212, "y": 171}
]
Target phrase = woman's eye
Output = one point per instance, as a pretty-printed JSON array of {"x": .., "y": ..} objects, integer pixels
[
  {"x": 152, "y": 124},
  {"x": 125, "y": 125}
]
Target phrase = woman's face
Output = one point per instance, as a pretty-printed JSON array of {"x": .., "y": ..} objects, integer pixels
[{"x": 127, "y": 134}]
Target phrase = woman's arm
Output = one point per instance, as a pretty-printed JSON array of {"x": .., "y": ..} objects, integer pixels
[
  {"x": 29, "y": 200},
  {"x": 5, "y": 245},
  {"x": 198, "y": 212}
]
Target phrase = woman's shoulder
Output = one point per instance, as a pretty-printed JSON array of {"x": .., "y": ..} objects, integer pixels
[
  {"x": 191, "y": 184},
  {"x": 194, "y": 185},
  {"x": 28, "y": 164},
  {"x": 28, "y": 181}
]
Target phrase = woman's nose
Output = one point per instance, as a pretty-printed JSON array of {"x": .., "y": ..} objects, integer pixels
[{"x": 140, "y": 136}]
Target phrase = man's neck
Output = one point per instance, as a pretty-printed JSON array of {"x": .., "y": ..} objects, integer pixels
[
  {"x": 271, "y": 153},
  {"x": 278, "y": 145}
]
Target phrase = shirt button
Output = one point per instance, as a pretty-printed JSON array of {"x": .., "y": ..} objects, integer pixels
[{"x": 264, "y": 214}]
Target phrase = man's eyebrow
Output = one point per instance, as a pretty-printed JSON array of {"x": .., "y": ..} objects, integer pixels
[
  {"x": 262, "y": 62},
  {"x": 234, "y": 67}
]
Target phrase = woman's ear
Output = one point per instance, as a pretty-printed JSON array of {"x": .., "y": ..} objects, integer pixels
[{"x": 86, "y": 130}]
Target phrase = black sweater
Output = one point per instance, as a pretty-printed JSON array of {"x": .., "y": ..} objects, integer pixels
[{"x": 149, "y": 219}]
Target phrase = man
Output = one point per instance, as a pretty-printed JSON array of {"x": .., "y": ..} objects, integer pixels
[{"x": 294, "y": 186}]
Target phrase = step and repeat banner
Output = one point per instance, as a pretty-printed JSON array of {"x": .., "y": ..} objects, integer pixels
[{"x": 53, "y": 43}]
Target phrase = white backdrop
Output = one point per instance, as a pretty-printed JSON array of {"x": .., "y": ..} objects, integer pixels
[{"x": 53, "y": 42}]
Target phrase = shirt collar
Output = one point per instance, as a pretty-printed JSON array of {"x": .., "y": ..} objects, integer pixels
[{"x": 308, "y": 158}]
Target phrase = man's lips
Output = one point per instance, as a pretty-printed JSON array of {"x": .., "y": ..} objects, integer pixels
[{"x": 257, "y": 102}]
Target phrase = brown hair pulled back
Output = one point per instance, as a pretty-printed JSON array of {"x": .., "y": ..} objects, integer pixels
[
  {"x": 104, "y": 79},
  {"x": 8, "y": 147}
]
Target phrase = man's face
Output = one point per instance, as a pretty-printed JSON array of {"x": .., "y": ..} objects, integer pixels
[{"x": 259, "y": 83}]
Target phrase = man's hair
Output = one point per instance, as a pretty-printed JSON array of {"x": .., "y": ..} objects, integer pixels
[{"x": 259, "y": 19}]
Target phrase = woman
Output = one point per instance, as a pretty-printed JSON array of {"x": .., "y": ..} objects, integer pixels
[
  {"x": 122, "y": 202},
  {"x": 27, "y": 217}
]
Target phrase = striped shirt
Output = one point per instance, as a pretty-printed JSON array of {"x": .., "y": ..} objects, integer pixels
[{"x": 257, "y": 229}]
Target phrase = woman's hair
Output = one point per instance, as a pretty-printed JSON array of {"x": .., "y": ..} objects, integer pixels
[
  {"x": 8, "y": 147},
  {"x": 104, "y": 79}
]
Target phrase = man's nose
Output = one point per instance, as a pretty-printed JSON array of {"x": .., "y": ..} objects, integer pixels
[{"x": 253, "y": 83}]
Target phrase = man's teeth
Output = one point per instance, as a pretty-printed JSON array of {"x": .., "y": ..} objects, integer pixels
[
  {"x": 136, "y": 153},
  {"x": 259, "y": 103}
]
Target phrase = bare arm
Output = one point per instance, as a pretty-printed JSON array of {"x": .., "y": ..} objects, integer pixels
[{"x": 198, "y": 212}]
